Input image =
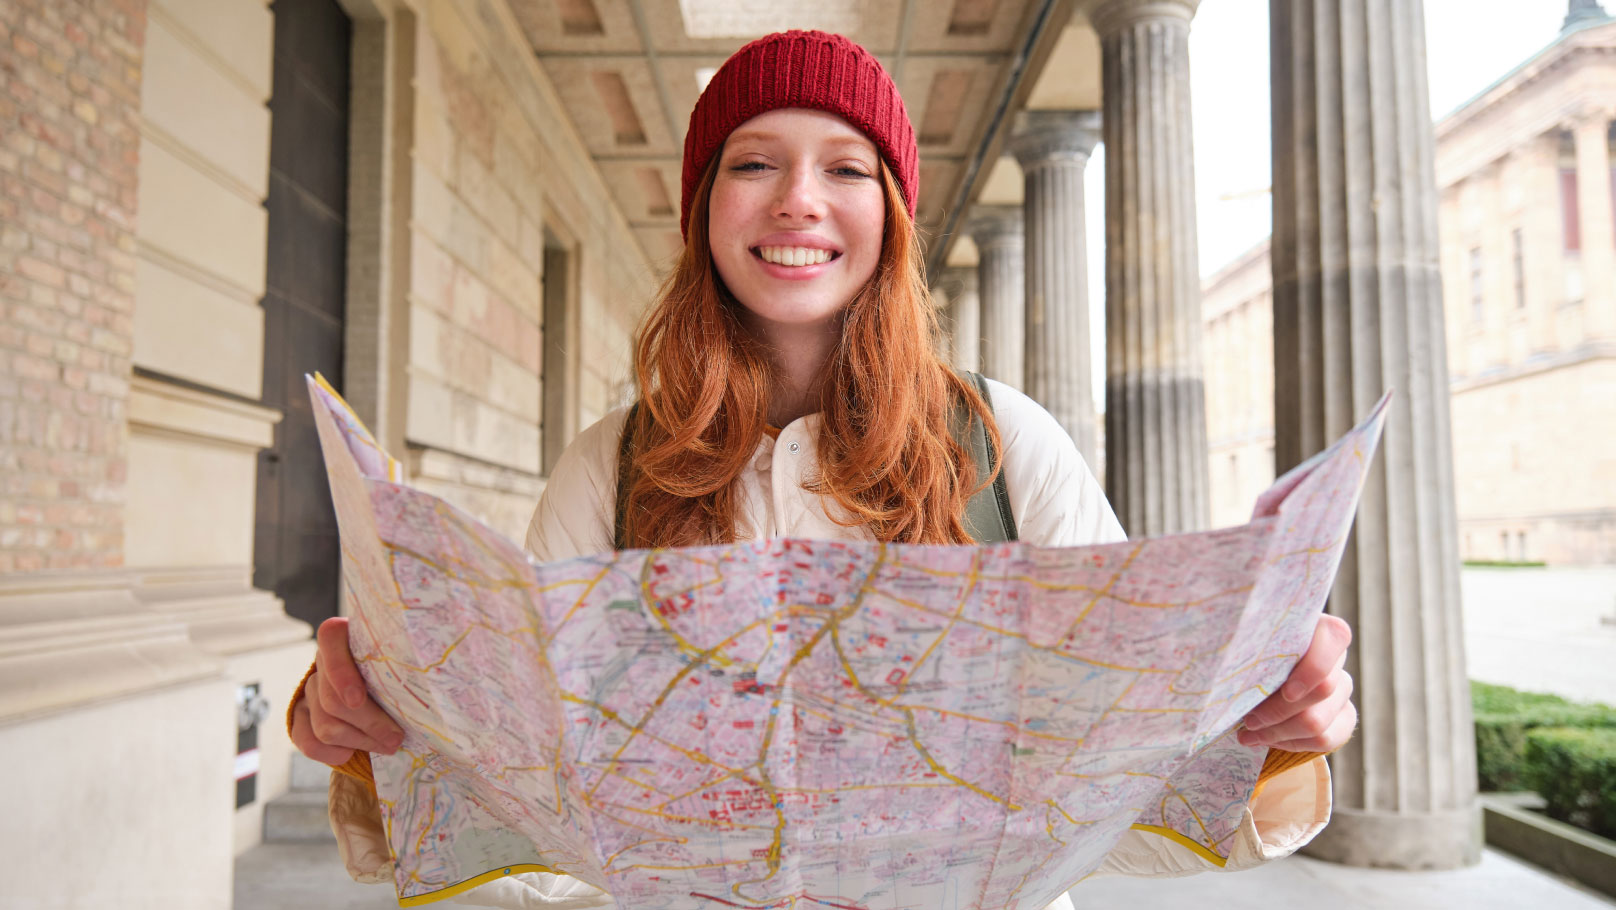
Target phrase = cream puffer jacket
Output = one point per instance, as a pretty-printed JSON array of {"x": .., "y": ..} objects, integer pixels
[{"x": 1056, "y": 502}]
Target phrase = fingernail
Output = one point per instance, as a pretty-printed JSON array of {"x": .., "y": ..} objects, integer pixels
[
  {"x": 354, "y": 696},
  {"x": 1248, "y": 738},
  {"x": 1292, "y": 691},
  {"x": 1254, "y": 723}
]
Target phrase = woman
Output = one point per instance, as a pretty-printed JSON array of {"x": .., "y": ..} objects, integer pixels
[{"x": 789, "y": 387}]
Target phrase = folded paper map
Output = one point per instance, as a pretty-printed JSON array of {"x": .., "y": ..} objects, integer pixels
[{"x": 803, "y": 723}]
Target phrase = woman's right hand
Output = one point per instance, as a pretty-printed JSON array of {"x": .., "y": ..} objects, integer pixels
[{"x": 336, "y": 715}]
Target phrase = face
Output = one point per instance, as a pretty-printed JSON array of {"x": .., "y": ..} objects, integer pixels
[{"x": 795, "y": 218}]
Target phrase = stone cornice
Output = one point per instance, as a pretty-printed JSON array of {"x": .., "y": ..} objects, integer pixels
[
  {"x": 80, "y": 637},
  {"x": 991, "y": 225},
  {"x": 71, "y": 638},
  {"x": 225, "y": 614},
  {"x": 1111, "y": 16},
  {"x": 1593, "y": 350},
  {"x": 170, "y": 409},
  {"x": 1559, "y": 55},
  {"x": 1044, "y": 138}
]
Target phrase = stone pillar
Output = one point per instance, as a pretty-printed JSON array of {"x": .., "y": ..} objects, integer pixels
[
  {"x": 964, "y": 318},
  {"x": 1155, "y": 417},
  {"x": 1357, "y": 311},
  {"x": 1592, "y": 138},
  {"x": 1053, "y": 147},
  {"x": 1001, "y": 281}
]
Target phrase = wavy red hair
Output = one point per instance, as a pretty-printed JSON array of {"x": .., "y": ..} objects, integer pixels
[{"x": 886, "y": 453}]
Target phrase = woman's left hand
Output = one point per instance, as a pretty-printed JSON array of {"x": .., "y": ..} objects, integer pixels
[{"x": 1312, "y": 711}]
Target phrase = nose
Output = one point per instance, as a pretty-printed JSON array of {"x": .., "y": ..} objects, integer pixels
[{"x": 801, "y": 197}]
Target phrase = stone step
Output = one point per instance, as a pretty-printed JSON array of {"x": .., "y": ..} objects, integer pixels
[
  {"x": 308, "y": 774},
  {"x": 298, "y": 817}
]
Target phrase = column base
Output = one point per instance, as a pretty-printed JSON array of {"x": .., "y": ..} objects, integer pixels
[{"x": 1395, "y": 840}]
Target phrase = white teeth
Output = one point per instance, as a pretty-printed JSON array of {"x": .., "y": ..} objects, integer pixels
[{"x": 793, "y": 255}]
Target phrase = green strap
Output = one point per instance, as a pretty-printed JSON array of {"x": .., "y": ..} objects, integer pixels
[{"x": 987, "y": 518}]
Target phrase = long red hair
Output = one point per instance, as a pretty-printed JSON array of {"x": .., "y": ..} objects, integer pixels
[{"x": 887, "y": 455}]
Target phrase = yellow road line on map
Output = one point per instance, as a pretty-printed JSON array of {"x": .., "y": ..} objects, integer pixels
[
  {"x": 972, "y": 577},
  {"x": 1199, "y": 849},
  {"x": 588, "y": 587}
]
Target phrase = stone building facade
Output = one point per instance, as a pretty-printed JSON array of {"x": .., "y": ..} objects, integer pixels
[
  {"x": 1524, "y": 172},
  {"x": 200, "y": 200},
  {"x": 456, "y": 210}
]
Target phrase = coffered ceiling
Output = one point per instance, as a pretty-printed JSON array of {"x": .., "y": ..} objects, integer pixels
[{"x": 629, "y": 73}]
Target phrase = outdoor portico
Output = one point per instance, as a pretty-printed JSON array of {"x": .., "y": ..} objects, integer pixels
[{"x": 511, "y": 177}]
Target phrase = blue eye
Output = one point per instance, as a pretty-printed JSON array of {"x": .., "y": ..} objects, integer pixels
[
  {"x": 752, "y": 166},
  {"x": 850, "y": 172}
]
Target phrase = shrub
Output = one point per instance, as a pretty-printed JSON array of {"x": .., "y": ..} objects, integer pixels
[
  {"x": 1505, "y": 716},
  {"x": 1575, "y": 772}
]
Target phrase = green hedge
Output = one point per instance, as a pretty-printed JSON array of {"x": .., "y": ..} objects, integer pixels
[
  {"x": 1505, "y": 716},
  {"x": 1575, "y": 772}
]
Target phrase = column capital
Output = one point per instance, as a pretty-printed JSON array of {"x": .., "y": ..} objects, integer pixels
[
  {"x": 1112, "y": 16},
  {"x": 1049, "y": 137},
  {"x": 991, "y": 225},
  {"x": 958, "y": 279}
]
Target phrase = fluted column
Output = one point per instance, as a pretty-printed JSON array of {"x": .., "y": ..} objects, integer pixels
[
  {"x": 1155, "y": 417},
  {"x": 1001, "y": 282},
  {"x": 1357, "y": 311},
  {"x": 964, "y": 318},
  {"x": 1053, "y": 148}
]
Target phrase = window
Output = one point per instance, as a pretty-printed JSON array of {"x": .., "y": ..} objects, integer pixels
[
  {"x": 1476, "y": 311},
  {"x": 1570, "y": 215},
  {"x": 1518, "y": 253}
]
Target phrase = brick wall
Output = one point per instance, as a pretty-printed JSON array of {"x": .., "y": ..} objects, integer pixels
[{"x": 69, "y": 104}]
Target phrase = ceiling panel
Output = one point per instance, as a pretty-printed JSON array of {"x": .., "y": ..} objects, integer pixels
[
  {"x": 629, "y": 72},
  {"x": 586, "y": 88},
  {"x": 561, "y": 26},
  {"x": 960, "y": 26}
]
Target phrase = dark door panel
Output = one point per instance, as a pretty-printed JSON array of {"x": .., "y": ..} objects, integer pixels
[{"x": 295, "y": 544}]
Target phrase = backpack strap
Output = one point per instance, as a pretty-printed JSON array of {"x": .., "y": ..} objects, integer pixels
[{"x": 987, "y": 518}]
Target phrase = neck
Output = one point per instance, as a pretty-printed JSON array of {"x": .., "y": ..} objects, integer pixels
[{"x": 798, "y": 354}]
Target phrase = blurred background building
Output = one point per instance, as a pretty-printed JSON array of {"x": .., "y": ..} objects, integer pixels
[{"x": 1525, "y": 173}]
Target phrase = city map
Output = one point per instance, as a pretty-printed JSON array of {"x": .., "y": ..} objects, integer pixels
[{"x": 799, "y": 723}]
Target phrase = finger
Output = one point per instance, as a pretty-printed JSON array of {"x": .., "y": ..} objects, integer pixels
[
  {"x": 334, "y": 731},
  {"x": 336, "y": 660},
  {"x": 1335, "y": 737},
  {"x": 1314, "y": 719},
  {"x": 368, "y": 717},
  {"x": 1276, "y": 707},
  {"x": 1331, "y": 637},
  {"x": 306, "y": 742}
]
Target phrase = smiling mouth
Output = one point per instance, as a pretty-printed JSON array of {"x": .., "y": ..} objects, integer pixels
[{"x": 794, "y": 256}]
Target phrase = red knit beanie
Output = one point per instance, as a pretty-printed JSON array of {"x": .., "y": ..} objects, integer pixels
[{"x": 801, "y": 69}]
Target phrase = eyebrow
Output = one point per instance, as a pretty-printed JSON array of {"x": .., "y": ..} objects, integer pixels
[{"x": 761, "y": 136}]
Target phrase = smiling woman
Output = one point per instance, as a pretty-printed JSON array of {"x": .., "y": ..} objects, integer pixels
[{"x": 790, "y": 387}]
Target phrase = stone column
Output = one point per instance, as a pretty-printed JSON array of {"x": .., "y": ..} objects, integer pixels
[
  {"x": 964, "y": 318},
  {"x": 1155, "y": 417},
  {"x": 1001, "y": 280},
  {"x": 1053, "y": 147},
  {"x": 1357, "y": 311},
  {"x": 1592, "y": 138}
]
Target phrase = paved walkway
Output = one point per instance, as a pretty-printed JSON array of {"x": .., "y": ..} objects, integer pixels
[
  {"x": 1543, "y": 630},
  {"x": 309, "y": 877}
]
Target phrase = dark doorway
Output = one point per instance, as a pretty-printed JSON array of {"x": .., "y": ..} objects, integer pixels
[{"x": 295, "y": 551}]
